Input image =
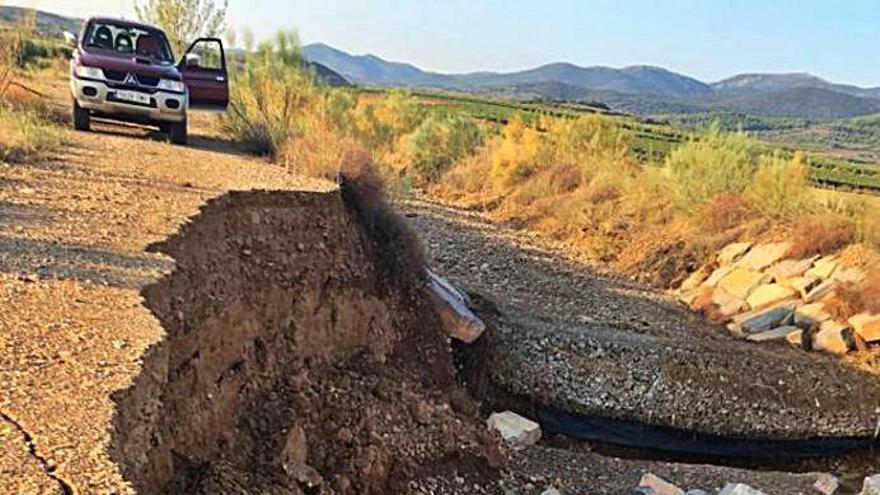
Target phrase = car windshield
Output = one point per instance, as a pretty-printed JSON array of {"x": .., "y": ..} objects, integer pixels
[{"x": 125, "y": 38}]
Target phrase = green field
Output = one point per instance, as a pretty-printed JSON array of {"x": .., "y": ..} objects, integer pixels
[{"x": 654, "y": 138}]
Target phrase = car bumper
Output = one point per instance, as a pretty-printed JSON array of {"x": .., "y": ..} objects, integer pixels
[{"x": 98, "y": 97}]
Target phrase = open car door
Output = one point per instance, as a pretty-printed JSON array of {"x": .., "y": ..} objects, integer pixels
[{"x": 203, "y": 68}]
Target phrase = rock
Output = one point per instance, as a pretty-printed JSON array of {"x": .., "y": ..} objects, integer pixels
[
  {"x": 733, "y": 252},
  {"x": 295, "y": 449},
  {"x": 811, "y": 314},
  {"x": 696, "y": 492},
  {"x": 764, "y": 319},
  {"x": 740, "y": 282},
  {"x": 775, "y": 334},
  {"x": 659, "y": 486},
  {"x": 848, "y": 275},
  {"x": 832, "y": 338},
  {"x": 695, "y": 279},
  {"x": 688, "y": 297},
  {"x": 728, "y": 305},
  {"x": 790, "y": 268},
  {"x": 867, "y": 325},
  {"x": 717, "y": 276},
  {"x": 764, "y": 255},
  {"x": 796, "y": 338},
  {"x": 421, "y": 411},
  {"x": 871, "y": 486},
  {"x": 768, "y": 295},
  {"x": 801, "y": 285},
  {"x": 826, "y": 484},
  {"x": 307, "y": 476},
  {"x": 739, "y": 489},
  {"x": 551, "y": 491},
  {"x": 515, "y": 429},
  {"x": 823, "y": 268},
  {"x": 821, "y": 291}
]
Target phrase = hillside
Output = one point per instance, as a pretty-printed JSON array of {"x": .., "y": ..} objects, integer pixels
[
  {"x": 47, "y": 23},
  {"x": 642, "y": 90}
]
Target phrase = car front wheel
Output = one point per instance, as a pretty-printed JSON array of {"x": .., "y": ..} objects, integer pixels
[
  {"x": 82, "y": 121},
  {"x": 177, "y": 132}
]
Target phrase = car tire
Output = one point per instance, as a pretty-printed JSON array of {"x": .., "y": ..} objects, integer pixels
[
  {"x": 82, "y": 121},
  {"x": 177, "y": 132}
]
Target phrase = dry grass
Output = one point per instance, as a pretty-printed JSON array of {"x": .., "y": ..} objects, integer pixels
[{"x": 818, "y": 235}]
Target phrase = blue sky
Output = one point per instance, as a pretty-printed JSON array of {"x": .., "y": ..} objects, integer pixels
[{"x": 710, "y": 39}]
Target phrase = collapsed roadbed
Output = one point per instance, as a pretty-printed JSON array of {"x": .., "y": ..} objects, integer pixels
[{"x": 301, "y": 355}]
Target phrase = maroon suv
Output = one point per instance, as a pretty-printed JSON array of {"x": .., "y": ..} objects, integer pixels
[{"x": 124, "y": 70}]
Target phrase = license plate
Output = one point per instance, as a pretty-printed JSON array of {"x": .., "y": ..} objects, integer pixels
[{"x": 133, "y": 97}]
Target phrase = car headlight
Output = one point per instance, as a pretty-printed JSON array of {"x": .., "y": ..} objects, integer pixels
[
  {"x": 172, "y": 85},
  {"x": 87, "y": 72}
]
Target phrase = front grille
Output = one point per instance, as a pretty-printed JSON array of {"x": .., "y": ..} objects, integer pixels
[
  {"x": 115, "y": 75},
  {"x": 121, "y": 76},
  {"x": 148, "y": 80}
]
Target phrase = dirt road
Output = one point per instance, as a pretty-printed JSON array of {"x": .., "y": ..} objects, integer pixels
[{"x": 74, "y": 229}]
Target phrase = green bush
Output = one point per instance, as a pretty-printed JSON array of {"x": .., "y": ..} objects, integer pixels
[
  {"x": 439, "y": 142},
  {"x": 713, "y": 164},
  {"x": 781, "y": 186},
  {"x": 272, "y": 96}
]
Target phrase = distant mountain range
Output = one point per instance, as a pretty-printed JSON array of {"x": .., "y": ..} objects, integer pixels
[
  {"x": 47, "y": 23},
  {"x": 642, "y": 90}
]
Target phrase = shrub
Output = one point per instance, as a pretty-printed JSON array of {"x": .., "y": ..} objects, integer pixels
[
  {"x": 271, "y": 97},
  {"x": 517, "y": 153},
  {"x": 381, "y": 123},
  {"x": 723, "y": 212},
  {"x": 321, "y": 153},
  {"x": 439, "y": 142},
  {"x": 781, "y": 186},
  {"x": 714, "y": 164},
  {"x": 820, "y": 234}
]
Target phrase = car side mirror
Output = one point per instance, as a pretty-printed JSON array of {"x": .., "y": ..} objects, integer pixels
[
  {"x": 70, "y": 39},
  {"x": 192, "y": 60}
]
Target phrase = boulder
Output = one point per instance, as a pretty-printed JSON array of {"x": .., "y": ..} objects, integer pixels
[
  {"x": 739, "y": 489},
  {"x": 796, "y": 338},
  {"x": 659, "y": 486},
  {"x": 733, "y": 252},
  {"x": 871, "y": 486},
  {"x": 821, "y": 291},
  {"x": 790, "y": 268},
  {"x": 764, "y": 255},
  {"x": 768, "y": 295},
  {"x": 832, "y": 338},
  {"x": 551, "y": 491},
  {"x": 826, "y": 484},
  {"x": 515, "y": 429},
  {"x": 695, "y": 279},
  {"x": 802, "y": 285},
  {"x": 740, "y": 282},
  {"x": 764, "y": 319},
  {"x": 809, "y": 315},
  {"x": 867, "y": 325},
  {"x": 717, "y": 276},
  {"x": 728, "y": 305},
  {"x": 775, "y": 334},
  {"x": 823, "y": 268}
]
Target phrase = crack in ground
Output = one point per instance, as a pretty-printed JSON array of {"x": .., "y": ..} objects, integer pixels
[{"x": 65, "y": 487}]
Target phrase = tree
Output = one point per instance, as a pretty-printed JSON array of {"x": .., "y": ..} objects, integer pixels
[{"x": 184, "y": 20}]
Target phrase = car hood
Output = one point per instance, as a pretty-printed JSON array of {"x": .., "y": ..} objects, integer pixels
[{"x": 125, "y": 62}]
